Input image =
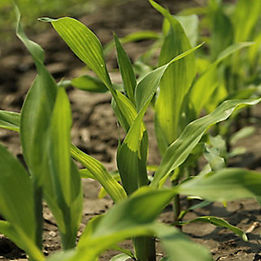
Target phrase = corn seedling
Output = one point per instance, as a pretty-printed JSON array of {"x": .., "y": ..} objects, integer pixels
[{"x": 44, "y": 126}]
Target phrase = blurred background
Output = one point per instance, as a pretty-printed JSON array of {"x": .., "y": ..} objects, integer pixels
[{"x": 33, "y": 9}]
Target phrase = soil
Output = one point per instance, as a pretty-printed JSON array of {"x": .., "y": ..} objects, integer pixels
[{"x": 96, "y": 132}]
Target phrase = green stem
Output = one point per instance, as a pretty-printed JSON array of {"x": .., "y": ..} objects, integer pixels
[
  {"x": 176, "y": 200},
  {"x": 69, "y": 238},
  {"x": 145, "y": 248},
  {"x": 38, "y": 206}
]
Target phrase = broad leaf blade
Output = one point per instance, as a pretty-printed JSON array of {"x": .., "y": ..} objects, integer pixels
[
  {"x": 84, "y": 44},
  {"x": 208, "y": 82},
  {"x": 17, "y": 204},
  {"x": 149, "y": 83},
  {"x": 59, "y": 147},
  {"x": 221, "y": 28},
  {"x": 175, "y": 82},
  {"x": 225, "y": 185},
  {"x": 128, "y": 219},
  {"x": 36, "y": 110},
  {"x": 88, "y": 48},
  {"x": 132, "y": 154},
  {"x": 190, "y": 25},
  {"x": 243, "y": 22},
  {"x": 178, "y": 247},
  {"x": 35, "y": 119},
  {"x": 132, "y": 163},
  {"x": 179, "y": 150},
  {"x": 64, "y": 175}
]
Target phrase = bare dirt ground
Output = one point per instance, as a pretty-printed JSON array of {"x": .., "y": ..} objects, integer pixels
[{"x": 95, "y": 131}]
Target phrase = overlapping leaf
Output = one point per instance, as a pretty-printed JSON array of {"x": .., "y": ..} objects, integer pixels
[
  {"x": 128, "y": 219},
  {"x": 88, "y": 48},
  {"x": 65, "y": 178},
  {"x": 190, "y": 25},
  {"x": 205, "y": 86},
  {"x": 35, "y": 112},
  {"x": 112, "y": 187},
  {"x": 219, "y": 222},
  {"x": 88, "y": 83},
  {"x": 222, "y": 31},
  {"x": 17, "y": 204},
  {"x": 243, "y": 22},
  {"x": 225, "y": 185},
  {"x": 179, "y": 150},
  {"x": 175, "y": 83},
  {"x": 132, "y": 154}
]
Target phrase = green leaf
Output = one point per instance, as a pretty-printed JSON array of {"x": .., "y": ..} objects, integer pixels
[
  {"x": 225, "y": 185},
  {"x": 9, "y": 231},
  {"x": 124, "y": 110},
  {"x": 190, "y": 25},
  {"x": 219, "y": 222},
  {"x": 202, "y": 204},
  {"x": 88, "y": 48},
  {"x": 175, "y": 82},
  {"x": 89, "y": 83},
  {"x": 84, "y": 44},
  {"x": 132, "y": 154},
  {"x": 221, "y": 28},
  {"x": 180, "y": 149},
  {"x": 243, "y": 22},
  {"x": 254, "y": 51},
  {"x": 17, "y": 204},
  {"x": 94, "y": 169},
  {"x": 36, "y": 110},
  {"x": 21, "y": 240},
  {"x": 126, "y": 70},
  {"x": 112, "y": 187},
  {"x": 35, "y": 50},
  {"x": 128, "y": 219},
  {"x": 59, "y": 147},
  {"x": 132, "y": 158},
  {"x": 205, "y": 86},
  {"x": 232, "y": 49},
  {"x": 149, "y": 83},
  {"x": 242, "y": 133},
  {"x": 35, "y": 119},
  {"x": 64, "y": 177},
  {"x": 9, "y": 120},
  {"x": 178, "y": 247},
  {"x": 125, "y": 219}
]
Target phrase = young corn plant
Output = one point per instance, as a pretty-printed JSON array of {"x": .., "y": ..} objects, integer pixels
[
  {"x": 44, "y": 126},
  {"x": 236, "y": 77}
]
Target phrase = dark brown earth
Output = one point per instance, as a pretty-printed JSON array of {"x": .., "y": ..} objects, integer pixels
[{"x": 95, "y": 131}]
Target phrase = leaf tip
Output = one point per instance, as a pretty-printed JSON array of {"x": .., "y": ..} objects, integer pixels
[
  {"x": 244, "y": 237},
  {"x": 46, "y": 19}
]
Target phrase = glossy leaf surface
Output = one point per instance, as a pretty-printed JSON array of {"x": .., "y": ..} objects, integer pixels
[
  {"x": 225, "y": 185},
  {"x": 179, "y": 150}
]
